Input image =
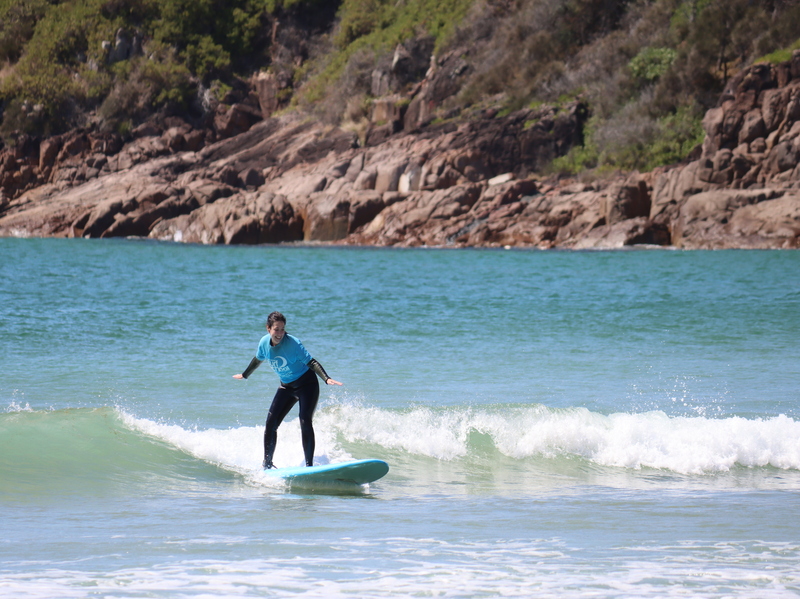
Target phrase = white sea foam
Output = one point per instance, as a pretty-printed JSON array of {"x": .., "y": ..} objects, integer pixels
[
  {"x": 14, "y": 406},
  {"x": 649, "y": 440},
  {"x": 405, "y": 567},
  {"x": 239, "y": 449},
  {"x": 654, "y": 440}
]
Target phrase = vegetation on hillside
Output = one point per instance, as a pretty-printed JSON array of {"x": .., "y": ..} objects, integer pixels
[
  {"x": 60, "y": 63},
  {"x": 647, "y": 69}
]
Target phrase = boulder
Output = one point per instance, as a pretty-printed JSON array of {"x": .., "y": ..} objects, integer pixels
[
  {"x": 239, "y": 219},
  {"x": 702, "y": 220},
  {"x": 388, "y": 176},
  {"x": 302, "y": 186},
  {"x": 194, "y": 140},
  {"x": 339, "y": 169},
  {"x": 626, "y": 200},
  {"x": 767, "y": 224},
  {"x": 227, "y": 174},
  {"x": 235, "y": 120},
  {"x": 377, "y": 135},
  {"x": 73, "y": 145},
  {"x": 443, "y": 79},
  {"x": 146, "y": 129},
  {"x": 354, "y": 168},
  {"x": 411, "y": 179},
  {"x": 773, "y": 107},
  {"x": 753, "y": 127},
  {"x": 207, "y": 191},
  {"x": 411, "y": 60},
  {"x": 500, "y": 179},
  {"x": 366, "y": 180},
  {"x": 251, "y": 178},
  {"x": 388, "y": 109},
  {"x": 102, "y": 217},
  {"x": 175, "y": 139},
  {"x": 379, "y": 83},
  {"x": 419, "y": 218},
  {"x": 273, "y": 221},
  {"x": 473, "y": 165},
  {"x": 635, "y": 231},
  {"x": 327, "y": 219},
  {"x": 48, "y": 152},
  {"x": 150, "y": 206},
  {"x": 364, "y": 207},
  {"x": 266, "y": 86}
]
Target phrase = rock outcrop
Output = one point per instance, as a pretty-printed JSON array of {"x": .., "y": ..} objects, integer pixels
[
  {"x": 744, "y": 190},
  {"x": 411, "y": 182}
]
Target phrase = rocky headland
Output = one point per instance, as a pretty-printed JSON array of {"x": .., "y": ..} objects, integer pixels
[{"x": 251, "y": 177}]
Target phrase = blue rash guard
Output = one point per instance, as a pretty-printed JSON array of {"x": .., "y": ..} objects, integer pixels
[
  {"x": 288, "y": 359},
  {"x": 296, "y": 369}
]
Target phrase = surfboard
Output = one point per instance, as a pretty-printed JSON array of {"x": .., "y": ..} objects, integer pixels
[{"x": 359, "y": 472}]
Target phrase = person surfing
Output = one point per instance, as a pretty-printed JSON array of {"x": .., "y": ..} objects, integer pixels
[{"x": 298, "y": 373}]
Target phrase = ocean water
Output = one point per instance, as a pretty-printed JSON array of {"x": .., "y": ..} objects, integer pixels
[{"x": 558, "y": 424}]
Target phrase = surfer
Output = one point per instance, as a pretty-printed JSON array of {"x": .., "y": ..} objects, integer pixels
[{"x": 298, "y": 373}]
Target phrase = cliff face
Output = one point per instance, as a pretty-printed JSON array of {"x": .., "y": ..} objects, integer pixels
[
  {"x": 408, "y": 182},
  {"x": 743, "y": 189}
]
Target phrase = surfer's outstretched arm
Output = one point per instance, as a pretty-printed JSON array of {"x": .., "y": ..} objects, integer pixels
[
  {"x": 320, "y": 372},
  {"x": 254, "y": 363}
]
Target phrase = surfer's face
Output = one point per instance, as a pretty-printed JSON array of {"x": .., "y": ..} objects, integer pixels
[{"x": 277, "y": 331}]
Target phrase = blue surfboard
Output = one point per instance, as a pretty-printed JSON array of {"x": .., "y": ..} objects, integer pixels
[{"x": 359, "y": 472}]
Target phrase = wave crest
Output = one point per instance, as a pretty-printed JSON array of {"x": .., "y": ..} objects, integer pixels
[{"x": 684, "y": 445}]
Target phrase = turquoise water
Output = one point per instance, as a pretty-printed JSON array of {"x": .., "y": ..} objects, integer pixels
[{"x": 600, "y": 424}]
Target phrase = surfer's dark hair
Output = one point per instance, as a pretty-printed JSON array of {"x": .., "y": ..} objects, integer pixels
[{"x": 275, "y": 317}]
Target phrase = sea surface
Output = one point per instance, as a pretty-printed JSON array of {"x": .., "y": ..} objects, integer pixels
[{"x": 558, "y": 424}]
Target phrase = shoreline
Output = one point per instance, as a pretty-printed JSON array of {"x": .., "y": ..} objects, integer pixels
[
  {"x": 360, "y": 247},
  {"x": 290, "y": 179}
]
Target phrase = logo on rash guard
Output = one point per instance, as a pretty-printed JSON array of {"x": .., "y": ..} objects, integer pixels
[{"x": 279, "y": 364}]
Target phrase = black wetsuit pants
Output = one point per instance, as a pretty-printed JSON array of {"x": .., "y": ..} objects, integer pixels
[{"x": 304, "y": 390}]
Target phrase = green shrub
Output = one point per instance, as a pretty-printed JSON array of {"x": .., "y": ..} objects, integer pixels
[
  {"x": 651, "y": 63},
  {"x": 50, "y": 70},
  {"x": 634, "y": 141},
  {"x": 678, "y": 134},
  {"x": 125, "y": 129},
  {"x": 220, "y": 90},
  {"x": 581, "y": 157},
  {"x": 144, "y": 85},
  {"x": 359, "y": 18},
  {"x": 96, "y": 84},
  {"x": 170, "y": 83},
  {"x": 39, "y": 101},
  {"x": 685, "y": 15},
  {"x": 211, "y": 35},
  {"x": 782, "y": 55},
  {"x": 207, "y": 59},
  {"x": 17, "y": 24},
  {"x": 376, "y": 27},
  {"x": 57, "y": 48},
  {"x": 274, "y": 6}
]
